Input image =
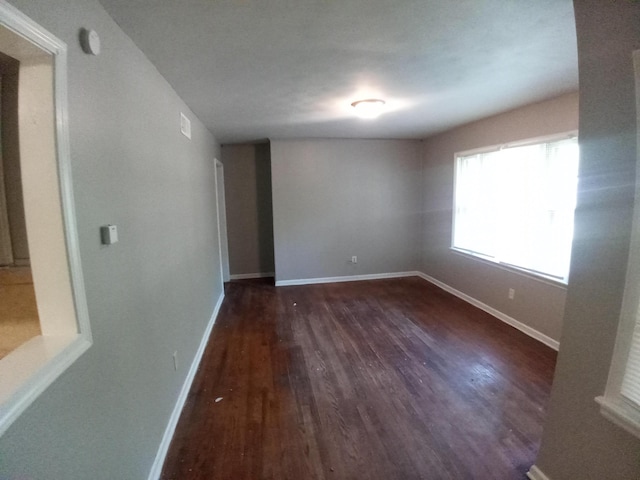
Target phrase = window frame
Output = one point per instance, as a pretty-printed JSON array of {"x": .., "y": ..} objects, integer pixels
[
  {"x": 613, "y": 405},
  {"x": 28, "y": 370},
  {"x": 562, "y": 282}
]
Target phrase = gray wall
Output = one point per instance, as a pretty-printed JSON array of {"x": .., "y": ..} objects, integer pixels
[
  {"x": 333, "y": 199},
  {"x": 538, "y": 304},
  {"x": 578, "y": 442},
  {"x": 148, "y": 295},
  {"x": 247, "y": 184}
]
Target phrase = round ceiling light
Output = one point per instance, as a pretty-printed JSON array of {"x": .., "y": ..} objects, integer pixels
[{"x": 368, "y": 108}]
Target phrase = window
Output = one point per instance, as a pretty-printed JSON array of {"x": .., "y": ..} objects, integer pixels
[
  {"x": 621, "y": 400},
  {"x": 514, "y": 205},
  {"x": 49, "y": 214}
]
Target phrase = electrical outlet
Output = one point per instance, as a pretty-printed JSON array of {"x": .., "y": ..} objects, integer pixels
[
  {"x": 354, "y": 259},
  {"x": 175, "y": 360},
  {"x": 512, "y": 294}
]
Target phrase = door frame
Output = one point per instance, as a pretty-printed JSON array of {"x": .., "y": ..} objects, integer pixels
[{"x": 221, "y": 215}]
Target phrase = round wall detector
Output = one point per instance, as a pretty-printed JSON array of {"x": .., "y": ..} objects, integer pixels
[{"x": 90, "y": 41}]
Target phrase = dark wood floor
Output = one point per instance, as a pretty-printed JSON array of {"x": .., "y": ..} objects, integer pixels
[{"x": 388, "y": 379}]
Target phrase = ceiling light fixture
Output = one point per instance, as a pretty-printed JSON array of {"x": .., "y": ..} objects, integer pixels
[{"x": 368, "y": 108}]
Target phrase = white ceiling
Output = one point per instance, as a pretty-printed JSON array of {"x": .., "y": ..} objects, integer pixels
[{"x": 256, "y": 69}]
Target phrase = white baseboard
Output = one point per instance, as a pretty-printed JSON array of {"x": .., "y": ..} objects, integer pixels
[
  {"x": 536, "y": 474},
  {"x": 541, "y": 337},
  {"x": 156, "y": 468},
  {"x": 246, "y": 276},
  {"x": 347, "y": 278}
]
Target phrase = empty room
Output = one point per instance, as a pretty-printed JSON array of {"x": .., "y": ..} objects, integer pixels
[{"x": 319, "y": 240}]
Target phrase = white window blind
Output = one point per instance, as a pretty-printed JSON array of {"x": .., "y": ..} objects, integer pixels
[
  {"x": 515, "y": 205},
  {"x": 631, "y": 380}
]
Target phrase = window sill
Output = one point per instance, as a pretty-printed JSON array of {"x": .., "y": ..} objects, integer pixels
[
  {"x": 31, "y": 368},
  {"x": 618, "y": 412},
  {"x": 511, "y": 268}
]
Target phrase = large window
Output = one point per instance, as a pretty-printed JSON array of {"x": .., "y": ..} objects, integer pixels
[{"x": 514, "y": 205}]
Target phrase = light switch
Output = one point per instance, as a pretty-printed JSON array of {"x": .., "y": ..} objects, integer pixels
[{"x": 109, "y": 234}]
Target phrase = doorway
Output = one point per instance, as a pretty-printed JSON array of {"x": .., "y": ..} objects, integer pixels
[
  {"x": 19, "y": 319},
  {"x": 247, "y": 169}
]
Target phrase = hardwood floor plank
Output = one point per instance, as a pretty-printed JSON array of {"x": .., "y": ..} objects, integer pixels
[{"x": 388, "y": 379}]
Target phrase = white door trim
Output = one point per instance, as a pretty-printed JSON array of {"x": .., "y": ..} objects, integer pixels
[{"x": 222, "y": 221}]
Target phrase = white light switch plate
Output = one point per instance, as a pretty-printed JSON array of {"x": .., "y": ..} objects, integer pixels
[{"x": 109, "y": 234}]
